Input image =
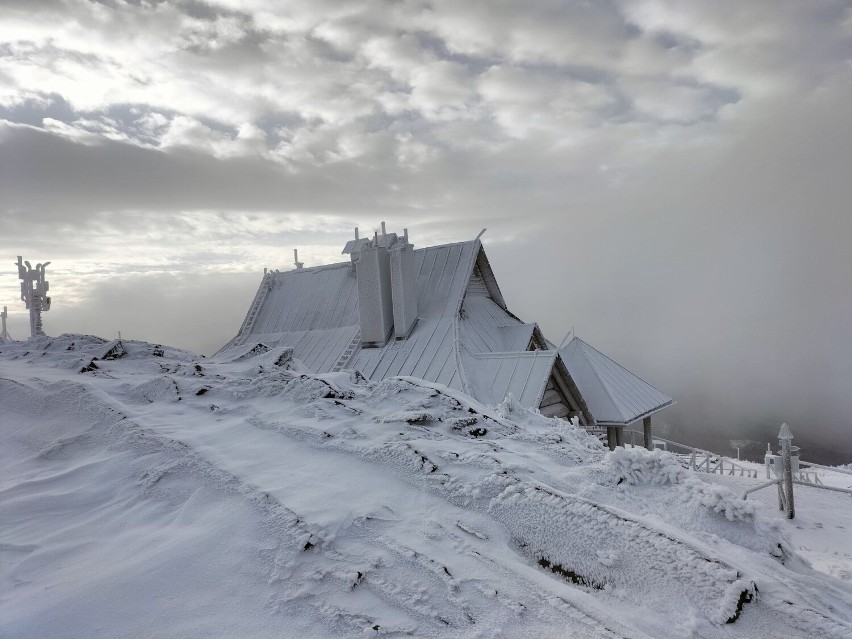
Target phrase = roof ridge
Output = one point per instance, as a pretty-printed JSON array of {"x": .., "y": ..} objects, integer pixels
[
  {"x": 436, "y": 246},
  {"x": 465, "y": 384},
  {"x": 311, "y": 269}
]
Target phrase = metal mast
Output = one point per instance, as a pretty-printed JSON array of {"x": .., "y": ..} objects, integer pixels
[{"x": 34, "y": 293}]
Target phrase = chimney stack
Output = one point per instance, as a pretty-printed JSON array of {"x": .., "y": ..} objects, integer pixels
[
  {"x": 375, "y": 305},
  {"x": 403, "y": 286}
]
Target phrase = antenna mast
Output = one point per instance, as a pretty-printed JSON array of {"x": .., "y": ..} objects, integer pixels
[
  {"x": 34, "y": 293},
  {"x": 4, "y": 335}
]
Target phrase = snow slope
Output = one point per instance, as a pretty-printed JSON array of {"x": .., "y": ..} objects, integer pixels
[{"x": 148, "y": 492}]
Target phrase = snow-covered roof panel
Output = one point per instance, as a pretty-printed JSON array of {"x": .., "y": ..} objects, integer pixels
[
  {"x": 355, "y": 246},
  {"x": 614, "y": 394},
  {"x": 318, "y": 349},
  {"x": 428, "y": 353},
  {"x": 308, "y": 299},
  {"x": 442, "y": 275},
  {"x": 483, "y": 327},
  {"x": 517, "y": 337},
  {"x": 493, "y": 376}
]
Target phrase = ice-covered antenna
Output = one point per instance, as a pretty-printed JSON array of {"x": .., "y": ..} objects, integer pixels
[
  {"x": 34, "y": 289},
  {"x": 383, "y": 229},
  {"x": 405, "y": 235},
  {"x": 565, "y": 339},
  {"x": 4, "y": 335},
  {"x": 299, "y": 264},
  {"x": 481, "y": 233}
]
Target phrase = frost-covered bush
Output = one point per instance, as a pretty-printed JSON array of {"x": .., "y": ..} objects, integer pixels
[
  {"x": 639, "y": 466},
  {"x": 720, "y": 499},
  {"x": 510, "y": 407}
]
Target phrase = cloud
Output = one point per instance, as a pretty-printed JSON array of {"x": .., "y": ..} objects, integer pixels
[{"x": 670, "y": 177}]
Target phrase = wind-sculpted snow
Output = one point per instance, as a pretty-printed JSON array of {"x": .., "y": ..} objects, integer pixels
[
  {"x": 610, "y": 550},
  {"x": 157, "y": 493},
  {"x": 638, "y": 466}
]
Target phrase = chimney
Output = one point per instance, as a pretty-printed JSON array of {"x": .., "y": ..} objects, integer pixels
[
  {"x": 375, "y": 305},
  {"x": 403, "y": 286}
]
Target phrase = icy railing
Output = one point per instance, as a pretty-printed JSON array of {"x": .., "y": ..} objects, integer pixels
[{"x": 701, "y": 460}]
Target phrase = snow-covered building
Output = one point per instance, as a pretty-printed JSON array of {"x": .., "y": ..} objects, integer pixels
[{"x": 437, "y": 313}]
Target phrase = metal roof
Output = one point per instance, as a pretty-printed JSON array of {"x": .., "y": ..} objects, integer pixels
[
  {"x": 522, "y": 374},
  {"x": 485, "y": 327},
  {"x": 464, "y": 338},
  {"x": 315, "y": 311},
  {"x": 308, "y": 299},
  {"x": 615, "y": 396}
]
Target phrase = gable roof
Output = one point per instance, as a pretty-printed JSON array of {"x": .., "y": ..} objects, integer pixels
[
  {"x": 464, "y": 338},
  {"x": 615, "y": 396},
  {"x": 315, "y": 311}
]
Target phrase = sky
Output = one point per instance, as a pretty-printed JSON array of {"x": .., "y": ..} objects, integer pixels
[{"x": 671, "y": 180}]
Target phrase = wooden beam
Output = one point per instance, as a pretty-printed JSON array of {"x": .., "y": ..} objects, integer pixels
[
  {"x": 619, "y": 436},
  {"x": 646, "y": 426},
  {"x": 611, "y": 437}
]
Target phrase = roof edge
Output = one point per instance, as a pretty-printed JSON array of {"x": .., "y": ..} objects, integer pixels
[{"x": 653, "y": 411}]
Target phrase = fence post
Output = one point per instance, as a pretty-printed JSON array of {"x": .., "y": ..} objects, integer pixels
[
  {"x": 767, "y": 460},
  {"x": 785, "y": 437}
]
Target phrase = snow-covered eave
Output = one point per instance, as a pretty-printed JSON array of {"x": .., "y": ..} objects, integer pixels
[{"x": 638, "y": 417}]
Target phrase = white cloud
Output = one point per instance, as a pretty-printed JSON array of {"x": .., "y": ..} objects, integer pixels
[{"x": 615, "y": 143}]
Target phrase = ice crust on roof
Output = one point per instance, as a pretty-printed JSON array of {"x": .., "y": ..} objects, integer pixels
[{"x": 614, "y": 394}]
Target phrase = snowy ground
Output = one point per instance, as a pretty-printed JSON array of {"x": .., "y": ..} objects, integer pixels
[{"x": 153, "y": 493}]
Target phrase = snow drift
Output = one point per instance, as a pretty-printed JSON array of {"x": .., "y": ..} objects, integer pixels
[{"x": 147, "y": 491}]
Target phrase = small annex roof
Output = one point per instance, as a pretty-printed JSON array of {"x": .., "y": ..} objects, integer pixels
[
  {"x": 495, "y": 376},
  {"x": 615, "y": 396}
]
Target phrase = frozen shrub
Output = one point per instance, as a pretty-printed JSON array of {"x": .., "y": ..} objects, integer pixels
[
  {"x": 639, "y": 466},
  {"x": 720, "y": 499}
]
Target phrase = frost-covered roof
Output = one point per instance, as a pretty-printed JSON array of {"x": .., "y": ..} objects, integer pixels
[
  {"x": 315, "y": 311},
  {"x": 524, "y": 374},
  {"x": 614, "y": 395},
  {"x": 487, "y": 327},
  {"x": 464, "y": 338},
  {"x": 308, "y": 299}
]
